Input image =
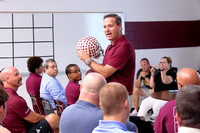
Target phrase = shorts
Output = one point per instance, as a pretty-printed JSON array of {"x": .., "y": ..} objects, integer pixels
[
  {"x": 40, "y": 127},
  {"x": 146, "y": 91}
]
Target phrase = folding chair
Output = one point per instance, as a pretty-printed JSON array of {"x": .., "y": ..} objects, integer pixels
[
  {"x": 59, "y": 107},
  {"x": 47, "y": 106},
  {"x": 37, "y": 105}
]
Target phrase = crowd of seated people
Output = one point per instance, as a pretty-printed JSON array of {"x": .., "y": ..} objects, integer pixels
[
  {"x": 85, "y": 110},
  {"x": 166, "y": 121},
  {"x": 19, "y": 117},
  {"x": 164, "y": 79}
]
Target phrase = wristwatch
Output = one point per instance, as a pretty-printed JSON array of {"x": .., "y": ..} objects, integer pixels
[{"x": 88, "y": 61}]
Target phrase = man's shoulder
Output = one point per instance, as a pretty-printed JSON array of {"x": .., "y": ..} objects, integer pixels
[
  {"x": 168, "y": 107},
  {"x": 139, "y": 70},
  {"x": 171, "y": 103},
  {"x": 46, "y": 79},
  {"x": 16, "y": 100}
]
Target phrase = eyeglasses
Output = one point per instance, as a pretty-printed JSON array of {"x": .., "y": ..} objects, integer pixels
[
  {"x": 163, "y": 62},
  {"x": 178, "y": 83},
  {"x": 77, "y": 71},
  {"x": 53, "y": 67},
  {"x": 2, "y": 70}
]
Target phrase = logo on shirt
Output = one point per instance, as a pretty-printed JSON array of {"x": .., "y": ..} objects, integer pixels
[{"x": 175, "y": 120}]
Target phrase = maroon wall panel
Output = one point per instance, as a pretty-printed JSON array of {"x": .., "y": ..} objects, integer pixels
[{"x": 167, "y": 34}]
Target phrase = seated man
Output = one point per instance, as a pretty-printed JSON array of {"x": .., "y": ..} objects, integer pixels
[
  {"x": 73, "y": 88},
  {"x": 86, "y": 112},
  {"x": 166, "y": 121},
  {"x": 188, "y": 109},
  {"x": 3, "y": 98},
  {"x": 141, "y": 84},
  {"x": 50, "y": 87},
  {"x": 20, "y": 118},
  {"x": 35, "y": 67},
  {"x": 115, "y": 106}
]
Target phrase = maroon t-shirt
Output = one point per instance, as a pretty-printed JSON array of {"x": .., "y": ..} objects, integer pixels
[
  {"x": 72, "y": 92},
  {"x": 121, "y": 55},
  {"x": 33, "y": 87},
  {"x": 17, "y": 110},
  {"x": 166, "y": 121},
  {"x": 33, "y": 84}
]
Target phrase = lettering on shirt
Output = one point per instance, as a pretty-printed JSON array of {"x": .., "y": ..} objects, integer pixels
[
  {"x": 27, "y": 111},
  {"x": 175, "y": 121}
]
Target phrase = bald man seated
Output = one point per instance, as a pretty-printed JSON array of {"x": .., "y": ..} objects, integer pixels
[
  {"x": 166, "y": 121},
  {"x": 84, "y": 115},
  {"x": 20, "y": 118},
  {"x": 115, "y": 106}
]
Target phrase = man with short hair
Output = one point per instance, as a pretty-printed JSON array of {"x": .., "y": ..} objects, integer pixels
[
  {"x": 115, "y": 107},
  {"x": 20, "y": 118},
  {"x": 3, "y": 98},
  {"x": 72, "y": 90},
  {"x": 188, "y": 109},
  {"x": 166, "y": 120},
  {"x": 119, "y": 60},
  {"x": 50, "y": 87},
  {"x": 142, "y": 84},
  {"x": 84, "y": 115},
  {"x": 35, "y": 68},
  {"x": 33, "y": 82}
]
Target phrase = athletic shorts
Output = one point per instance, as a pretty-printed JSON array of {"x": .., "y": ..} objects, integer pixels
[
  {"x": 146, "y": 91},
  {"x": 40, "y": 127}
]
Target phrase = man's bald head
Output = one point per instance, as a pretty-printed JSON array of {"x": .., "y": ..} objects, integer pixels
[
  {"x": 93, "y": 82},
  {"x": 91, "y": 86},
  {"x": 11, "y": 78},
  {"x": 187, "y": 76}
]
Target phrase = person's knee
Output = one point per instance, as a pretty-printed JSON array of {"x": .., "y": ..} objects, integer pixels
[
  {"x": 53, "y": 120},
  {"x": 135, "y": 91}
]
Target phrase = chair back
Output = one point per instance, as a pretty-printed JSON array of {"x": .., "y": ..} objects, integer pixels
[
  {"x": 60, "y": 106},
  {"x": 36, "y": 106},
  {"x": 47, "y": 106}
]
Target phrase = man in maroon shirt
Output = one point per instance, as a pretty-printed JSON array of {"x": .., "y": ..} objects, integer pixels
[
  {"x": 35, "y": 67},
  {"x": 73, "y": 88},
  {"x": 19, "y": 117},
  {"x": 119, "y": 60}
]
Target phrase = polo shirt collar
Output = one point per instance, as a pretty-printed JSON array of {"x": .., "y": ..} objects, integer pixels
[
  {"x": 119, "y": 39},
  {"x": 10, "y": 91},
  {"x": 34, "y": 74}
]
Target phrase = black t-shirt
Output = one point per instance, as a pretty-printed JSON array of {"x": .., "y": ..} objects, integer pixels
[
  {"x": 143, "y": 78},
  {"x": 160, "y": 86}
]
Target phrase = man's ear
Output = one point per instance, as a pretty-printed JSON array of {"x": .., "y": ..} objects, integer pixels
[
  {"x": 100, "y": 104},
  {"x": 126, "y": 105},
  {"x": 120, "y": 27},
  {"x": 178, "y": 119},
  {"x": 1, "y": 109},
  {"x": 80, "y": 87},
  {"x": 69, "y": 75}
]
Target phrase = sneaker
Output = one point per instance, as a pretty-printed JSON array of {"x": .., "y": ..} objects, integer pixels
[{"x": 134, "y": 113}]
